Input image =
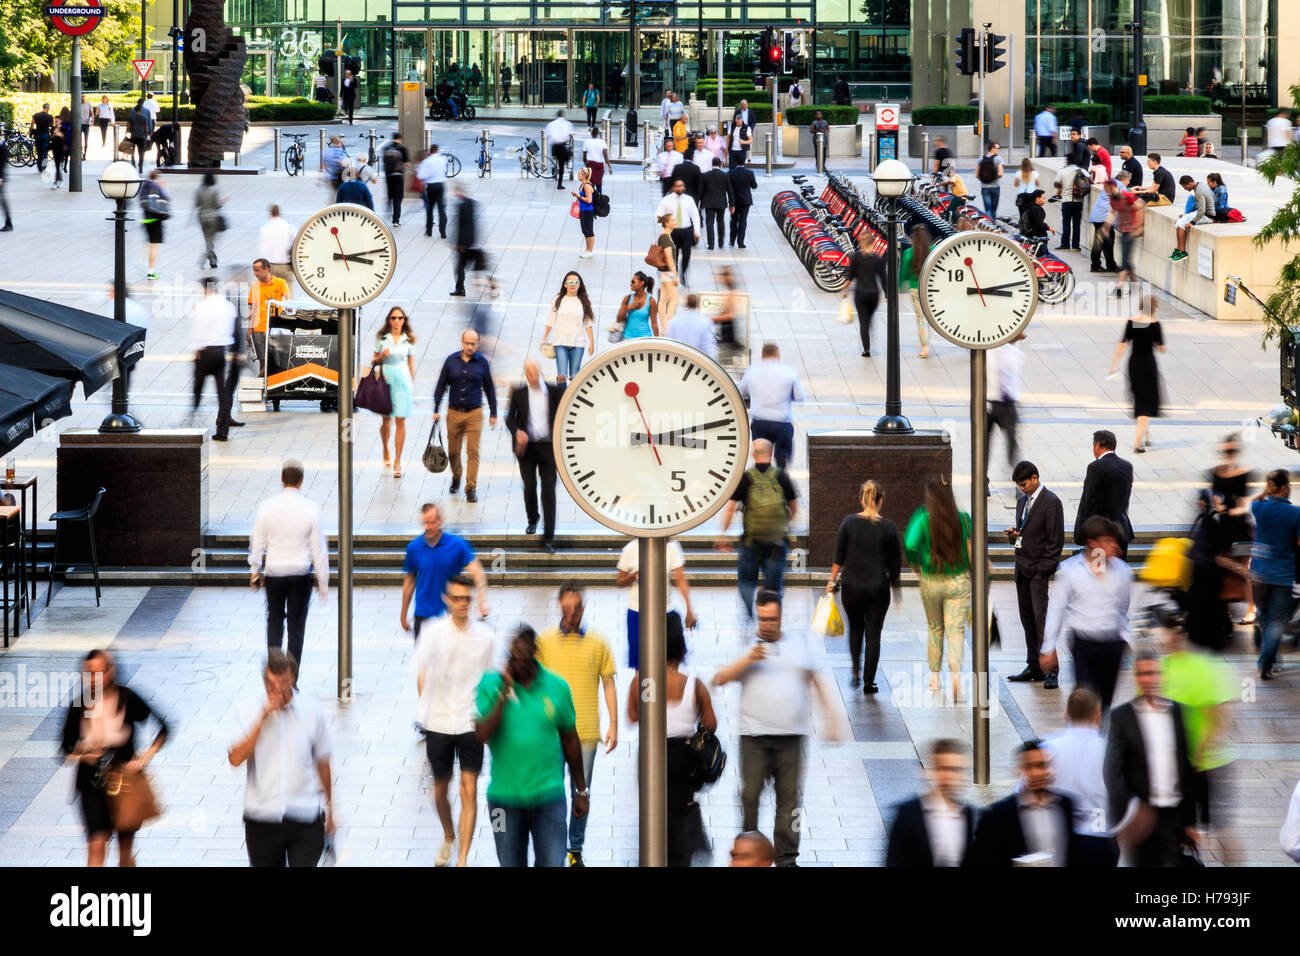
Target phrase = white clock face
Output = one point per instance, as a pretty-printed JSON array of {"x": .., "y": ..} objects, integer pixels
[
  {"x": 652, "y": 438},
  {"x": 344, "y": 256},
  {"x": 978, "y": 289}
]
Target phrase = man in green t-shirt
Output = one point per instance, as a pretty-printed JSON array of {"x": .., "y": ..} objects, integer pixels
[
  {"x": 527, "y": 719},
  {"x": 1202, "y": 685}
]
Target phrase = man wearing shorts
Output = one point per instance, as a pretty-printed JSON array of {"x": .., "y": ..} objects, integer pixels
[{"x": 451, "y": 657}]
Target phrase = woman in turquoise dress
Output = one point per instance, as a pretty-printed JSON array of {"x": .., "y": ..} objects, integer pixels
[
  {"x": 639, "y": 310},
  {"x": 393, "y": 344}
]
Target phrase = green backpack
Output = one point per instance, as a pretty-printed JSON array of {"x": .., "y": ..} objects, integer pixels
[{"x": 765, "y": 513}]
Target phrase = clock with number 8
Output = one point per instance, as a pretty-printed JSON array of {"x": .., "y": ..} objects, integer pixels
[
  {"x": 651, "y": 438},
  {"x": 343, "y": 256},
  {"x": 978, "y": 289}
]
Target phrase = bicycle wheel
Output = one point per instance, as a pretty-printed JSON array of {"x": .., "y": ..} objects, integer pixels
[
  {"x": 28, "y": 155},
  {"x": 830, "y": 278},
  {"x": 291, "y": 161},
  {"x": 453, "y": 165}
]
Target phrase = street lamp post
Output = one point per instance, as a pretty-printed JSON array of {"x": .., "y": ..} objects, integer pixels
[
  {"x": 120, "y": 182},
  {"x": 1137, "y": 135},
  {"x": 892, "y": 179}
]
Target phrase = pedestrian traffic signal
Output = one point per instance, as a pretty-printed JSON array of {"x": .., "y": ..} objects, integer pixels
[
  {"x": 967, "y": 56},
  {"x": 760, "y": 51},
  {"x": 994, "y": 50},
  {"x": 790, "y": 51}
]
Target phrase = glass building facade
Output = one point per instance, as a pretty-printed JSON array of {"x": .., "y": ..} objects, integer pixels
[
  {"x": 1078, "y": 50},
  {"x": 553, "y": 49}
]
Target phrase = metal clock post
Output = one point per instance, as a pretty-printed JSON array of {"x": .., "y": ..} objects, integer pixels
[
  {"x": 653, "y": 439},
  {"x": 979, "y": 290},
  {"x": 344, "y": 256}
]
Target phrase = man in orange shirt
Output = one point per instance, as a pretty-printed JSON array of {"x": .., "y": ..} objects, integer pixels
[{"x": 267, "y": 288}]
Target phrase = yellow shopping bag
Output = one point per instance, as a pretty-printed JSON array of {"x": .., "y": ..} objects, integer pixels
[{"x": 826, "y": 618}]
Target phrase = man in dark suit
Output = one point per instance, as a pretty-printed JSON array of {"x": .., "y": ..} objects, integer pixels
[
  {"x": 841, "y": 95},
  {"x": 715, "y": 199},
  {"x": 743, "y": 184},
  {"x": 1038, "y": 536},
  {"x": 1149, "y": 777},
  {"x": 529, "y": 419},
  {"x": 467, "y": 251},
  {"x": 691, "y": 175},
  {"x": 935, "y": 829},
  {"x": 1035, "y": 819},
  {"x": 1106, "y": 489},
  {"x": 746, "y": 116}
]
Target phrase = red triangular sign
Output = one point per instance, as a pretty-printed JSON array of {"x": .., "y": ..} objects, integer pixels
[{"x": 143, "y": 67}]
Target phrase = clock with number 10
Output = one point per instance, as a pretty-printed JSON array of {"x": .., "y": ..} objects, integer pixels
[
  {"x": 978, "y": 289},
  {"x": 651, "y": 438}
]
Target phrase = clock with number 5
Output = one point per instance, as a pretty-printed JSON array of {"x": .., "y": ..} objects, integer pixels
[
  {"x": 978, "y": 289},
  {"x": 652, "y": 438},
  {"x": 343, "y": 256}
]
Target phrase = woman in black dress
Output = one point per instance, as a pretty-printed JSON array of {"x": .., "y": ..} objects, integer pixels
[
  {"x": 868, "y": 559},
  {"x": 99, "y": 736},
  {"x": 1230, "y": 483},
  {"x": 868, "y": 272},
  {"x": 1145, "y": 338}
]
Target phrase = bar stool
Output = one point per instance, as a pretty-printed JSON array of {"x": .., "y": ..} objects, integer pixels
[
  {"x": 13, "y": 567},
  {"x": 87, "y": 515}
]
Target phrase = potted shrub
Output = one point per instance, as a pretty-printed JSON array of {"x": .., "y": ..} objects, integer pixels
[
  {"x": 956, "y": 124},
  {"x": 845, "y": 132},
  {"x": 1167, "y": 119}
]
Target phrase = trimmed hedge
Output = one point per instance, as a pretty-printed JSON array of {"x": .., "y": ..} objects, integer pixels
[
  {"x": 1176, "y": 105},
  {"x": 1094, "y": 114},
  {"x": 835, "y": 115},
  {"x": 944, "y": 115},
  {"x": 20, "y": 107}
]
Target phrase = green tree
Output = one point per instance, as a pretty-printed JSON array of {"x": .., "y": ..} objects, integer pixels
[
  {"x": 1284, "y": 303},
  {"x": 29, "y": 44}
]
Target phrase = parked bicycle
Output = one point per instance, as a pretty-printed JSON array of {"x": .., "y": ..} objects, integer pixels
[
  {"x": 821, "y": 239},
  {"x": 530, "y": 163},
  {"x": 295, "y": 155},
  {"x": 453, "y": 163},
  {"x": 484, "y": 161},
  {"x": 20, "y": 149}
]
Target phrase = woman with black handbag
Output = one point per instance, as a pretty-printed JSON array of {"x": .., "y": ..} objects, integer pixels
[
  {"x": 207, "y": 210},
  {"x": 690, "y": 710},
  {"x": 99, "y": 736},
  {"x": 393, "y": 344}
]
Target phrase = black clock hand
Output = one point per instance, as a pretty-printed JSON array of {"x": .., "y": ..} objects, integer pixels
[
  {"x": 997, "y": 289},
  {"x": 670, "y": 438},
  {"x": 366, "y": 252},
  {"x": 983, "y": 292},
  {"x": 361, "y": 259}
]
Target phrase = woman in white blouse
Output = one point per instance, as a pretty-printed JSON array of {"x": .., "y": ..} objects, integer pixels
[
  {"x": 1026, "y": 182},
  {"x": 571, "y": 320}
]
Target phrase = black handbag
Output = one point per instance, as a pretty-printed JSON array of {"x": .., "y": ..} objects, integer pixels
[
  {"x": 710, "y": 758},
  {"x": 373, "y": 393},
  {"x": 435, "y": 456}
]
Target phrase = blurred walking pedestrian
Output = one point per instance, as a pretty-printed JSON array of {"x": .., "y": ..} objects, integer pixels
[
  {"x": 628, "y": 574},
  {"x": 937, "y": 544},
  {"x": 395, "y": 158},
  {"x": 769, "y": 501},
  {"x": 558, "y": 132},
  {"x": 212, "y": 335},
  {"x": 1143, "y": 336},
  {"x": 1034, "y": 824},
  {"x": 867, "y": 271},
  {"x": 1078, "y": 758},
  {"x": 1277, "y": 532},
  {"x": 207, "y": 210},
  {"x": 936, "y": 828},
  {"x": 530, "y": 417},
  {"x": 909, "y": 279},
  {"x": 771, "y": 388},
  {"x": 668, "y": 278},
  {"x": 154, "y": 203},
  {"x": 431, "y": 561},
  {"x": 354, "y": 190},
  {"x": 432, "y": 171}
]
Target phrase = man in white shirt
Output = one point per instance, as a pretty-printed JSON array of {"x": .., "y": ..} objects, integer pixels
[
  {"x": 451, "y": 656},
  {"x": 935, "y": 829},
  {"x": 275, "y": 245},
  {"x": 365, "y": 172},
  {"x": 150, "y": 109},
  {"x": 776, "y": 718},
  {"x": 1277, "y": 131},
  {"x": 674, "y": 111},
  {"x": 288, "y": 800},
  {"x": 212, "y": 335},
  {"x": 629, "y": 561},
  {"x": 772, "y": 387},
  {"x": 1149, "y": 778},
  {"x": 663, "y": 107},
  {"x": 1092, "y": 592},
  {"x": 1005, "y": 381},
  {"x": 284, "y": 549},
  {"x": 432, "y": 171},
  {"x": 693, "y": 328},
  {"x": 558, "y": 131},
  {"x": 687, "y": 233},
  {"x": 1078, "y": 756}
]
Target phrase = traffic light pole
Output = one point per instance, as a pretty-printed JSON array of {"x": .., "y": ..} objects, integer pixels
[
  {"x": 1011, "y": 99},
  {"x": 979, "y": 123}
]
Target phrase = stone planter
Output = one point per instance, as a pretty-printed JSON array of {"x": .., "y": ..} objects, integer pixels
[
  {"x": 844, "y": 141},
  {"x": 1165, "y": 133},
  {"x": 961, "y": 140}
]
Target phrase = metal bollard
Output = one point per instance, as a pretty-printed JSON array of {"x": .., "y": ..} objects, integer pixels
[
  {"x": 768, "y": 150},
  {"x": 819, "y": 147},
  {"x": 645, "y": 140},
  {"x": 622, "y": 135},
  {"x": 236, "y": 157},
  {"x": 572, "y": 162},
  {"x": 115, "y": 142},
  {"x": 428, "y": 141},
  {"x": 604, "y": 130},
  {"x": 1243, "y": 146},
  {"x": 322, "y": 149},
  {"x": 871, "y": 152},
  {"x": 277, "y": 149},
  {"x": 925, "y": 149},
  {"x": 487, "y": 151},
  {"x": 546, "y": 154}
]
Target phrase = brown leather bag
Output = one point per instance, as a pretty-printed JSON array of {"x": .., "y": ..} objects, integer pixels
[
  {"x": 656, "y": 258},
  {"x": 131, "y": 800}
]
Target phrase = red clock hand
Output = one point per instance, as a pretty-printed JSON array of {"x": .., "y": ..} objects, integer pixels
[
  {"x": 631, "y": 389},
  {"x": 970, "y": 264},
  {"x": 334, "y": 231}
]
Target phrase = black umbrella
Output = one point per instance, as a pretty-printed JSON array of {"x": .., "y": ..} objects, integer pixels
[
  {"x": 129, "y": 339},
  {"x": 31, "y": 342},
  {"x": 51, "y": 397},
  {"x": 16, "y": 424}
]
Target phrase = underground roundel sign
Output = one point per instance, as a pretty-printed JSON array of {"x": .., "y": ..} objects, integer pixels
[{"x": 75, "y": 20}]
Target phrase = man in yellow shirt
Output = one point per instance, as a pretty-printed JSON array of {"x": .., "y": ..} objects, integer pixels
[
  {"x": 268, "y": 288},
  {"x": 583, "y": 658}
]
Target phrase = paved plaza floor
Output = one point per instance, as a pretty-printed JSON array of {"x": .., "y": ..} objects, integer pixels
[{"x": 196, "y": 652}]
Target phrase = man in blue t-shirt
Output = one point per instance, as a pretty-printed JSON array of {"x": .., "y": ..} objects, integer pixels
[
  {"x": 1277, "y": 532},
  {"x": 432, "y": 560}
]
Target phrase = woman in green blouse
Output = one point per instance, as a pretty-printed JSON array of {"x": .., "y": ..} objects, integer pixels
[
  {"x": 909, "y": 280},
  {"x": 937, "y": 545}
]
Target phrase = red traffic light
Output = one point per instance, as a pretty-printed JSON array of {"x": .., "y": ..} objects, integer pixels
[{"x": 775, "y": 53}]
